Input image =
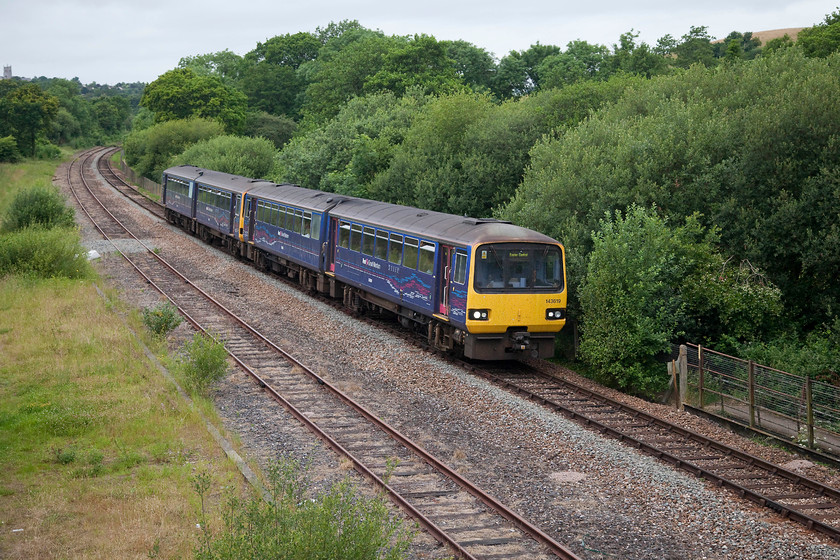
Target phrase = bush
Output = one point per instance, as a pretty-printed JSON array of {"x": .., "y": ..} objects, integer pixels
[
  {"x": 9, "y": 152},
  {"x": 206, "y": 362},
  {"x": 45, "y": 253},
  {"x": 47, "y": 150},
  {"x": 150, "y": 151},
  {"x": 249, "y": 157},
  {"x": 42, "y": 206},
  {"x": 161, "y": 319},
  {"x": 339, "y": 524}
]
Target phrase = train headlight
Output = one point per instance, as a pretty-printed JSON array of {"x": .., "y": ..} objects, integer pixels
[
  {"x": 479, "y": 314},
  {"x": 555, "y": 314}
]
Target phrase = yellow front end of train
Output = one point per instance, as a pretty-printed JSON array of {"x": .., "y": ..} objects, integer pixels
[{"x": 516, "y": 300}]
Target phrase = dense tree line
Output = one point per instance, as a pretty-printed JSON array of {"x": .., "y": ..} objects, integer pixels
[
  {"x": 693, "y": 182},
  {"x": 40, "y": 114}
]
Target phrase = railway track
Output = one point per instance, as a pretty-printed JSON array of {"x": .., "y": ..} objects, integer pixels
[
  {"x": 798, "y": 498},
  {"x": 806, "y": 501},
  {"x": 452, "y": 509}
]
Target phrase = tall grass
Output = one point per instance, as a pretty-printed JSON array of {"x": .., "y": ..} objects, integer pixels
[
  {"x": 339, "y": 523},
  {"x": 44, "y": 253}
]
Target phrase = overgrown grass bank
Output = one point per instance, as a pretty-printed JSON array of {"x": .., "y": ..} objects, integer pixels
[{"x": 97, "y": 451}]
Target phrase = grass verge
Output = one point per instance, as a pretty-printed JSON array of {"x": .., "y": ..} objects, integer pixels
[{"x": 97, "y": 451}]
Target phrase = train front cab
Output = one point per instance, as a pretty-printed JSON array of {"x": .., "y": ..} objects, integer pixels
[{"x": 516, "y": 300}]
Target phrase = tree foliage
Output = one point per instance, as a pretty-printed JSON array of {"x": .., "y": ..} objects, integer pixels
[
  {"x": 823, "y": 38},
  {"x": 150, "y": 151},
  {"x": 183, "y": 94},
  {"x": 649, "y": 284},
  {"x": 249, "y": 157},
  {"x": 26, "y": 111}
]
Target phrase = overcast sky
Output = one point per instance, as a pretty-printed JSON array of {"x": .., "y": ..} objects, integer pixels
[{"x": 112, "y": 41}]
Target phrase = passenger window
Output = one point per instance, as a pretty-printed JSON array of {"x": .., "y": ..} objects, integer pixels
[
  {"x": 307, "y": 224},
  {"x": 298, "y": 221},
  {"x": 356, "y": 238},
  {"x": 289, "y": 221},
  {"x": 344, "y": 235},
  {"x": 410, "y": 257},
  {"x": 367, "y": 242},
  {"x": 395, "y": 248},
  {"x": 381, "y": 244},
  {"x": 316, "y": 226},
  {"x": 427, "y": 257},
  {"x": 460, "y": 276}
]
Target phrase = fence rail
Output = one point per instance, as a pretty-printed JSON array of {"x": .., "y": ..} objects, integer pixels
[
  {"x": 155, "y": 190},
  {"x": 791, "y": 406}
]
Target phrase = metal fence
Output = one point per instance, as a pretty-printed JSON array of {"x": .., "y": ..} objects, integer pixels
[
  {"x": 763, "y": 398},
  {"x": 153, "y": 189}
]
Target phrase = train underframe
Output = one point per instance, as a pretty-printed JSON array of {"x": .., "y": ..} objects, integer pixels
[{"x": 512, "y": 344}]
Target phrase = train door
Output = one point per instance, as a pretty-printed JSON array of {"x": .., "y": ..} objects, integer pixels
[
  {"x": 252, "y": 215},
  {"x": 333, "y": 231},
  {"x": 444, "y": 278}
]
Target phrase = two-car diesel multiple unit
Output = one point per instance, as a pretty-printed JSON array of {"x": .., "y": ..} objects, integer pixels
[{"x": 489, "y": 288}]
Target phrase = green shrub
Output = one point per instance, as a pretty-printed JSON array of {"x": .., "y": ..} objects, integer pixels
[
  {"x": 249, "y": 157},
  {"x": 206, "y": 362},
  {"x": 47, "y": 150},
  {"x": 38, "y": 206},
  {"x": 161, "y": 319},
  {"x": 149, "y": 151},
  {"x": 44, "y": 253},
  {"x": 9, "y": 152},
  {"x": 339, "y": 523}
]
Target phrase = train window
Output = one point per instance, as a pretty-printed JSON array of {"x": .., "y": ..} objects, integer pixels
[
  {"x": 260, "y": 212},
  {"x": 344, "y": 235},
  {"x": 307, "y": 224},
  {"x": 460, "y": 273},
  {"x": 356, "y": 238},
  {"x": 427, "y": 257},
  {"x": 298, "y": 221},
  {"x": 367, "y": 241},
  {"x": 395, "y": 248},
  {"x": 410, "y": 256},
  {"x": 316, "y": 226},
  {"x": 381, "y": 244}
]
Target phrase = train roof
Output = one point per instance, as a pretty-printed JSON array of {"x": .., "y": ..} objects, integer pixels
[
  {"x": 431, "y": 225},
  {"x": 434, "y": 225},
  {"x": 234, "y": 183}
]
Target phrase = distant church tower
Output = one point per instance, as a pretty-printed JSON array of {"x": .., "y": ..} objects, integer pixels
[{"x": 7, "y": 72}]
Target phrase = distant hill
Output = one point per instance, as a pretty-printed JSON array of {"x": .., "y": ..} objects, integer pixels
[{"x": 765, "y": 36}]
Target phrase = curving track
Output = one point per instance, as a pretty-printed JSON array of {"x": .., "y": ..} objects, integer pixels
[{"x": 457, "y": 513}]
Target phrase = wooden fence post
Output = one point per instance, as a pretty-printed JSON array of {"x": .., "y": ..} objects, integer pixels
[{"x": 682, "y": 364}]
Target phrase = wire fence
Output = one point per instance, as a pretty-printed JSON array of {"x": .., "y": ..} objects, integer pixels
[
  {"x": 153, "y": 189},
  {"x": 763, "y": 398}
]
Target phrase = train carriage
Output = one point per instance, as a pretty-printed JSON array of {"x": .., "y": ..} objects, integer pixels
[{"x": 488, "y": 288}]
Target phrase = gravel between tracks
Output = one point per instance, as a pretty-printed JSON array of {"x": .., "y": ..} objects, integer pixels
[{"x": 599, "y": 497}]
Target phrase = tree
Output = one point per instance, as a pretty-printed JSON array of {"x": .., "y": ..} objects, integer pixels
[
  {"x": 581, "y": 61},
  {"x": 28, "y": 111},
  {"x": 248, "y": 157},
  {"x": 181, "y": 94},
  {"x": 473, "y": 65},
  {"x": 648, "y": 284},
  {"x": 634, "y": 59},
  {"x": 695, "y": 47},
  {"x": 823, "y": 38},
  {"x": 226, "y": 65},
  {"x": 150, "y": 151},
  {"x": 518, "y": 72},
  {"x": 420, "y": 62}
]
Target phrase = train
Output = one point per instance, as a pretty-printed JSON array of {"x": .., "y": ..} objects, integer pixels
[{"x": 482, "y": 288}]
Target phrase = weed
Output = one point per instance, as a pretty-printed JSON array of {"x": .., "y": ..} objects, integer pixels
[
  {"x": 339, "y": 523},
  {"x": 64, "y": 455},
  {"x": 161, "y": 319},
  {"x": 206, "y": 362}
]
